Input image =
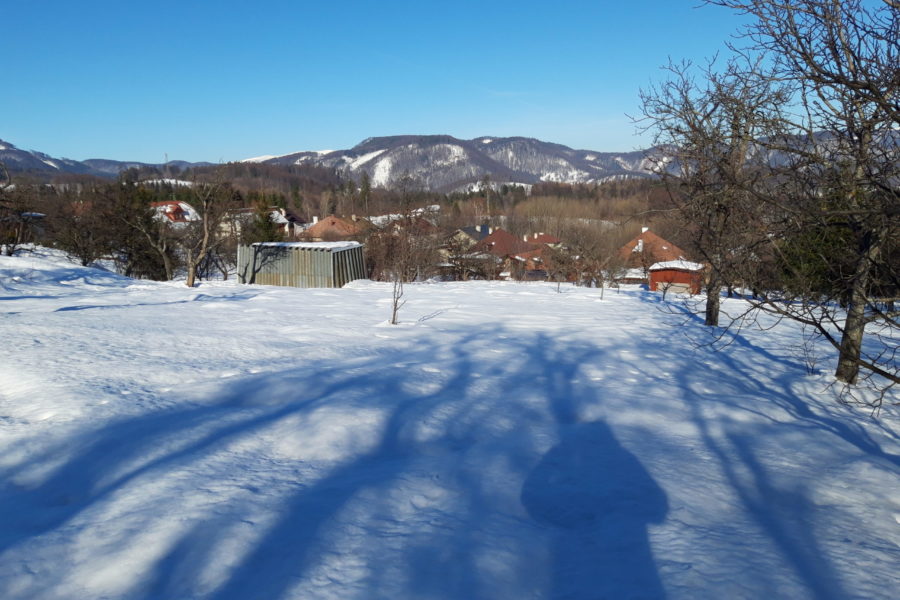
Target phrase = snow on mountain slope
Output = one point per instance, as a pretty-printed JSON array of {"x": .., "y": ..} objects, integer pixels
[
  {"x": 444, "y": 163},
  {"x": 505, "y": 441}
]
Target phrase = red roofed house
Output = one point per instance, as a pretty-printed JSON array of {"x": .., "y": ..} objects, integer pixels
[
  {"x": 333, "y": 228},
  {"x": 175, "y": 212},
  {"x": 648, "y": 248},
  {"x": 644, "y": 250},
  {"x": 502, "y": 243}
]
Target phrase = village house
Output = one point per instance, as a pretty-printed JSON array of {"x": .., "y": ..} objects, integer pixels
[
  {"x": 469, "y": 236},
  {"x": 175, "y": 212},
  {"x": 333, "y": 228},
  {"x": 291, "y": 224},
  {"x": 502, "y": 244},
  {"x": 643, "y": 251},
  {"x": 647, "y": 248},
  {"x": 678, "y": 276}
]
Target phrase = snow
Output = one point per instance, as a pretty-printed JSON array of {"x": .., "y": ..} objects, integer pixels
[
  {"x": 423, "y": 211},
  {"x": 682, "y": 265},
  {"x": 168, "y": 181},
  {"x": 278, "y": 218},
  {"x": 381, "y": 175},
  {"x": 359, "y": 161},
  {"x": 570, "y": 175},
  {"x": 311, "y": 245},
  {"x": 504, "y": 441},
  {"x": 446, "y": 155},
  {"x": 635, "y": 273},
  {"x": 265, "y": 157}
]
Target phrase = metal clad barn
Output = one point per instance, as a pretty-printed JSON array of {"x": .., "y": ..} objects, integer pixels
[{"x": 301, "y": 264}]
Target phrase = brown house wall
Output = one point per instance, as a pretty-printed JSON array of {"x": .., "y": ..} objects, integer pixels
[{"x": 669, "y": 276}]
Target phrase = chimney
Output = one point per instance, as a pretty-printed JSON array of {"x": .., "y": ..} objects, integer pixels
[
  {"x": 490, "y": 230},
  {"x": 525, "y": 238},
  {"x": 645, "y": 229},
  {"x": 315, "y": 220}
]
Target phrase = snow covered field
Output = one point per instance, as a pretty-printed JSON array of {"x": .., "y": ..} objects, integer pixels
[{"x": 504, "y": 441}]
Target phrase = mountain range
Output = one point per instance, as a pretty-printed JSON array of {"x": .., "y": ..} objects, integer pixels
[
  {"x": 37, "y": 163},
  {"x": 436, "y": 162}
]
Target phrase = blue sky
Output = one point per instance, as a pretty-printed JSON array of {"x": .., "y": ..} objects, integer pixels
[{"x": 226, "y": 80}]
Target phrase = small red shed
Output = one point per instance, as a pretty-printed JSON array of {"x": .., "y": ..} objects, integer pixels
[{"x": 679, "y": 276}]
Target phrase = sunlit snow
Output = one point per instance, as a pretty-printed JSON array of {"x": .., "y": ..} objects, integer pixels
[
  {"x": 359, "y": 161},
  {"x": 503, "y": 441},
  {"x": 381, "y": 175}
]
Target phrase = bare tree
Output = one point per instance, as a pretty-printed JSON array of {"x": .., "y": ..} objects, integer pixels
[
  {"x": 403, "y": 252},
  {"x": 76, "y": 222},
  {"x": 596, "y": 254},
  {"x": 17, "y": 214},
  {"x": 708, "y": 124},
  {"x": 201, "y": 238},
  {"x": 840, "y": 58}
]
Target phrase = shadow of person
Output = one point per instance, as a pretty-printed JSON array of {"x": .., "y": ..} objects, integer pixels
[{"x": 598, "y": 499}]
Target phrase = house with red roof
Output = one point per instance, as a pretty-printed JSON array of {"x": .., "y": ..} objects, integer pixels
[
  {"x": 175, "y": 212},
  {"x": 333, "y": 228},
  {"x": 644, "y": 250},
  {"x": 502, "y": 244},
  {"x": 648, "y": 248}
]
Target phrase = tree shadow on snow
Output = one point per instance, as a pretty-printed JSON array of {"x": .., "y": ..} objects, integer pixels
[
  {"x": 781, "y": 507},
  {"x": 449, "y": 499}
]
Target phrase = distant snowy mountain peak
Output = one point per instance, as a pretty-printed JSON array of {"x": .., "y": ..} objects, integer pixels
[
  {"x": 439, "y": 163},
  {"x": 444, "y": 163}
]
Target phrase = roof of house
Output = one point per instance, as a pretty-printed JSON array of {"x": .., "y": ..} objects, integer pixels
[
  {"x": 335, "y": 226},
  {"x": 503, "y": 243},
  {"x": 175, "y": 211},
  {"x": 649, "y": 244},
  {"x": 477, "y": 232},
  {"x": 543, "y": 238}
]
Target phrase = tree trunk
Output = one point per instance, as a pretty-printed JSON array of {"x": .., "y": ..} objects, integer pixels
[
  {"x": 713, "y": 289},
  {"x": 851, "y": 340},
  {"x": 167, "y": 265},
  {"x": 855, "y": 323}
]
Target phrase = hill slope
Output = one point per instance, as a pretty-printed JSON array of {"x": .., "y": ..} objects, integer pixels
[{"x": 506, "y": 441}]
